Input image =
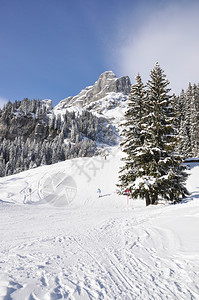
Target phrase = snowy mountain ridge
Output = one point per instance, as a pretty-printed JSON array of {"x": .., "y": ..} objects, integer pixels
[{"x": 105, "y": 98}]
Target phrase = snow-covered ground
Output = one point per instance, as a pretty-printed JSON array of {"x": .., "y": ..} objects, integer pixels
[{"x": 59, "y": 240}]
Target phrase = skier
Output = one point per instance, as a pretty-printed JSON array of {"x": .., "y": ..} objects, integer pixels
[{"x": 99, "y": 192}]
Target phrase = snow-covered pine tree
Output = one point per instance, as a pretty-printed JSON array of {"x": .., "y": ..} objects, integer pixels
[
  {"x": 195, "y": 117},
  {"x": 185, "y": 146},
  {"x": 133, "y": 135},
  {"x": 194, "y": 125},
  {"x": 154, "y": 167}
]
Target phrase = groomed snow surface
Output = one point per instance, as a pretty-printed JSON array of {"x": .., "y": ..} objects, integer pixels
[{"x": 60, "y": 240}]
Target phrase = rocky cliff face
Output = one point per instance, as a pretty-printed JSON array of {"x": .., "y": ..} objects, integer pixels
[
  {"x": 25, "y": 118},
  {"x": 107, "y": 83}
]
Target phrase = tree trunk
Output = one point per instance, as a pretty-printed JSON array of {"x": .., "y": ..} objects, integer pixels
[
  {"x": 153, "y": 200},
  {"x": 147, "y": 199}
]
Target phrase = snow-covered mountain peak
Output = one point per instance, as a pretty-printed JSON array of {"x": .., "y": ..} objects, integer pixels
[
  {"x": 106, "y": 83},
  {"x": 107, "y": 93},
  {"x": 108, "y": 75}
]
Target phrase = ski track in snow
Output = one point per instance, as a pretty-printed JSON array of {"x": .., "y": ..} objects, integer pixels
[{"x": 95, "y": 248}]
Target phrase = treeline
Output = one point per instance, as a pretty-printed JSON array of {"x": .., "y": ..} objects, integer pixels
[
  {"x": 187, "y": 107},
  {"x": 32, "y": 135}
]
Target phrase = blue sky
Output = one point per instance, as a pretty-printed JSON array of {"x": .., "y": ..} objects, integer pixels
[{"x": 54, "y": 48}]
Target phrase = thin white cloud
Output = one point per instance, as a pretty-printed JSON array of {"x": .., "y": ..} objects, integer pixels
[
  {"x": 169, "y": 36},
  {"x": 3, "y": 101}
]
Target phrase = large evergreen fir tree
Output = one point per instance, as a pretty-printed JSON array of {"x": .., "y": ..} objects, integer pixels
[
  {"x": 152, "y": 168},
  {"x": 132, "y": 133}
]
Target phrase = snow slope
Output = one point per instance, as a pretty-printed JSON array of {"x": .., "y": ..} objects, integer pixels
[
  {"x": 112, "y": 107},
  {"x": 59, "y": 240}
]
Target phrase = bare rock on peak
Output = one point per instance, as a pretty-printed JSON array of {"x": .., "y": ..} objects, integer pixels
[{"x": 107, "y": 83}]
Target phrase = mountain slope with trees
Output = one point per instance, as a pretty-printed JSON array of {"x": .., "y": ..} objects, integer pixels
[
  {"x": 33, "y": 133},
  {"x": 187, "y": 105}
]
